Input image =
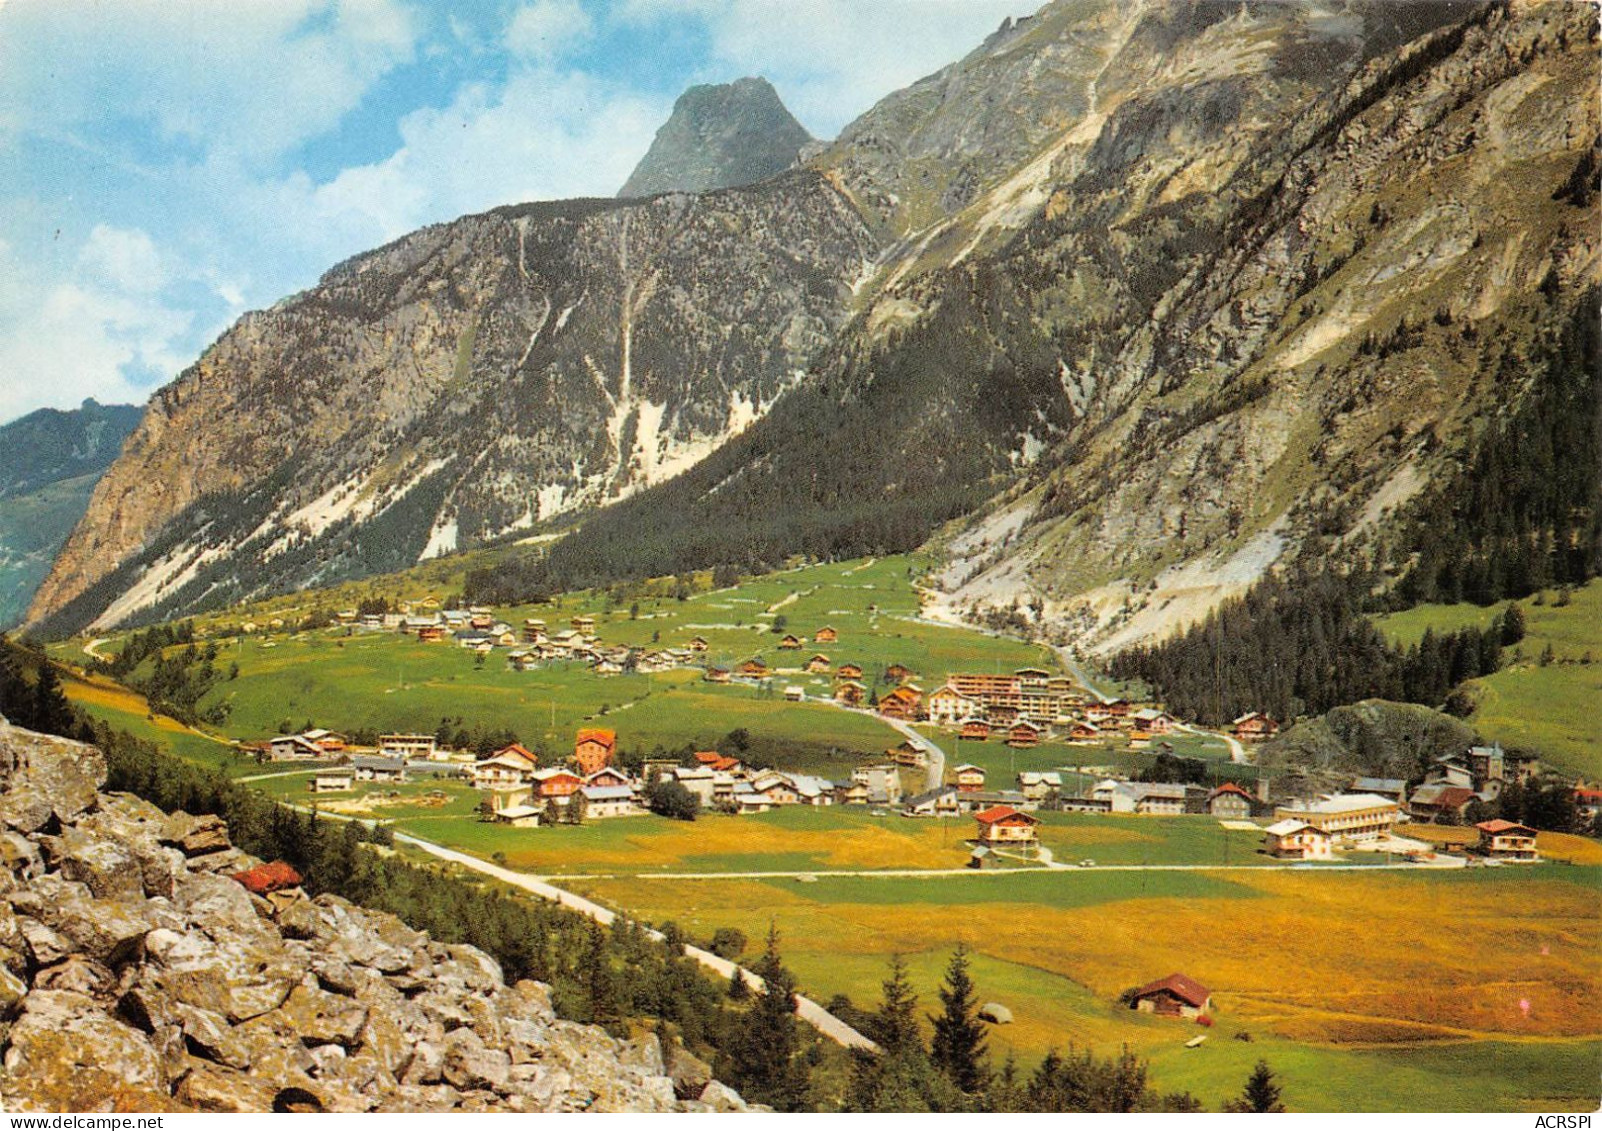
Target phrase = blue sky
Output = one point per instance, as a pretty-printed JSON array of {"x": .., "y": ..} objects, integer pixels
[{"x": 166, "y": 165}]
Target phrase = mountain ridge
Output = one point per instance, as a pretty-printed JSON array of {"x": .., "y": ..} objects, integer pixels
[
  {"x": 1230, "y": 288},
  {"x": 719, "y": 136}
]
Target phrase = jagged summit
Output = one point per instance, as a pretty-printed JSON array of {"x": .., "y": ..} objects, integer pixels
[{"x": 720, "y": 136}]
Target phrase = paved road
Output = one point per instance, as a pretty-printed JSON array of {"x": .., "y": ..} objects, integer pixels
[
  {"x": 279, "y": 774},
  {"x": 806, "y": 1009},
  {"x": 1055, "y": 867},
  {"x": 936, "y": 775}
]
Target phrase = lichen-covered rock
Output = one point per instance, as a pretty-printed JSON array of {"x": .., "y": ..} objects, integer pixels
[{"x": 136, "y": 974}]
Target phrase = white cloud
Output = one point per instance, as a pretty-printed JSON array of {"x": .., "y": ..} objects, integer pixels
[
  {"x": 256, "y": 78},
  {"x": 103, "y": 337},
  {"x": 126, "y": 259},
  {"x": 546, "y": 28},
  {"x": 545, "y": 135}
]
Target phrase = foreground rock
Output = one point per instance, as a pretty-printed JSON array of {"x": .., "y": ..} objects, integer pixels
[{"x": 138, "y": 973}]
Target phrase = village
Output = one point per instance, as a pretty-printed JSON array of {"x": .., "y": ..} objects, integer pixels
[
  {"x": 1018, "y": 709},
  {"x": 591, "y": 784}
]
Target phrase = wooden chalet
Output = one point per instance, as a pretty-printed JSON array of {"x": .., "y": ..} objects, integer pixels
[
  {"x": 717, "y": 675},
  {"x": 905, "y": 703},
  {"x": 752, "y": 669},
  {"x": 899, "y": 673},
  {"x": 1507, "y": 840},
  {"x": 969, "y": 777},
  {"x": 699, "y": 644},
  {"x": 1084, "y": 731},
  {"x": 851, "y": 693},
  {"x": 818, "y": 665},
  {"x": 1230, "y": 801},
  {"x": 825, "y": 635},
  {"x": 594, "y": 748},
  {"x": 1173, "y": 996},
  {"x": 1254, "y": 726},
  {"x": 848, "y": 671},
  {"x": 1292, "y": 839},
  {"x": 1004, "y": 825},
  {"x": 1023, "y": 734},
  {"x": 557, "y": 783},
  {"x": 974, "y": 729},
  {"x": 790, "y": 642}
]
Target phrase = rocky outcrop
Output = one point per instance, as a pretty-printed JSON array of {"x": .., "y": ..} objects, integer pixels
[
  {"x": 470, "y": 379},
  {"x": 721, "y": 136},
  {"x": 139, "y": 972}
]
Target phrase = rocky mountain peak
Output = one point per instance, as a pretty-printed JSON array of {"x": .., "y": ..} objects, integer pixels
[
  {"x": 147, "y": 964},
  {"x": 720, "y": 136}
]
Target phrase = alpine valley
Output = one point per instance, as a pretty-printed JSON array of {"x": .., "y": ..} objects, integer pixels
[{"x": 1114, "y": 312}]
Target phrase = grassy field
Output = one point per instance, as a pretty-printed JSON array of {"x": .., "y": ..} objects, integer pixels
[
  {"x": 1364, "y": 990},
  {"x": 384, "y": 681},
  {"x": 123, "y": 709},
  {"x": 1551, "y": 708}
]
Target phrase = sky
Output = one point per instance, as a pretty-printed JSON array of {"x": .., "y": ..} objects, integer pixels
[{"x": 167, "y": 165}]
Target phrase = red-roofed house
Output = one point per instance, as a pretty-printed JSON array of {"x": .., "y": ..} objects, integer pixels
[
  {"x": 1173, "y": 996},
  {"x": 1229, "y": 800},
  {"x": 593, "y": 748},
  {"x": 1507, "y": 840},
  {"x": 1002, "y": 824}
]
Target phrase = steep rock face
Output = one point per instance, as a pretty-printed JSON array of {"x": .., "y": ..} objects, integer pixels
[
  {"x": 140, "y": 972},
  {"x": 721, "y": 136},
  {"x": 1300, "y": 337},
  {"x": 1258, "y": 286},
  {"x": 49, "y": 463},
  {"x": 470, "y": 379}
]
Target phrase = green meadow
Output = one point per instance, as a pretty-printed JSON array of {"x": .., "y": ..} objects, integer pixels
[{"x": 1549, "y": 708}]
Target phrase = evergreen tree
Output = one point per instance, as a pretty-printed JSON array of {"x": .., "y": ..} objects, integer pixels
[
  {"x": 1261, "y": 1093},
  {"x": 958, "y": 1048},
  {"x": 767, "y": 1069}
]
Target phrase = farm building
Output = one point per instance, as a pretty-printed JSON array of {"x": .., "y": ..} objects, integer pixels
[
  {"x": 602, "y": 801},
  {"x": 333, "y": 780},
  {"x": 1037, "y": 786},
  {"x": 849, "y": 671},
  {"x": 717, "y": 675},
  {"x": 899, "y": 673},
  {"x": 1296, "y": 840},
  {"x": 1229, "y": 800},
  {"x": 379, "y": 769},
  {"x": 752, "y": 669},
  {"x": 818, "y": 665},
  {"x": 1438, "y": 802},
  {"x": 1254, "y": 726},
  {"x": 1507, "y": 840},
  {"x": 1394, "y": 789},
  {"x": 969, "y": 777},
  {"x": 699, "y": 644},
  {"x": 1083, "y": 731},
  {"x": 794, "y": 693},
  {"x": 1004, "y": 825},
  {"x": 934, "y": 803},
  {"x": 294, "y": 748},
  {"x": 593, "y": 748},
  {"x": 518, "y": 816},
  {"x": 826, "y": 635},
  {"x": 1173, "y": 996},
  {"x": 790, "y": 642}
]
